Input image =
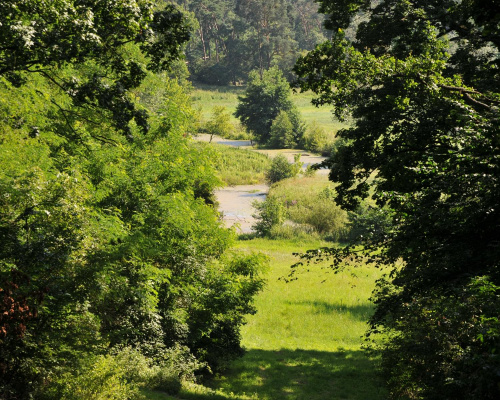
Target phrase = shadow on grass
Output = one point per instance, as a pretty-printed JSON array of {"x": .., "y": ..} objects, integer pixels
[
  {"x": 300, "y": 375},
  {"x": 361, "y": 312}
]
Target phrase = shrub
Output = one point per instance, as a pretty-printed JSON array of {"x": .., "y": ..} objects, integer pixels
[
  {"x": 220, "y": 124},
  {"x": 326, "y": 218},
  {"x": 282, "y": 169},
  {"x": 310, "y": 207},
  {"x": 270, "y": 213},
  {"x": 98, "y": 378},
  {"x": 281, "y": 136},
  {"x": 315, "y": 139}
]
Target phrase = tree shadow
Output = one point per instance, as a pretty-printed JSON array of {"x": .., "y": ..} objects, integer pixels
[
  {"x": 361, "y": 312},
  {"x": 303, "y": 375}
]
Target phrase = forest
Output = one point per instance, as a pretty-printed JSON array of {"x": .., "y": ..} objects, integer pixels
[
  {"x": 118, "y": 277},
  {"x": 233, "y": 38}
]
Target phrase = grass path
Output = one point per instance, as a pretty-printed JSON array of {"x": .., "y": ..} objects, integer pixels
[{"x": 305, "y": 341}]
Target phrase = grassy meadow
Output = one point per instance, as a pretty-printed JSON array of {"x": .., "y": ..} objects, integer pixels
[
  {"x": 237, "y": 166},
  {"x": 205, "y": 97},
  {"x": 305, "y": 342}
]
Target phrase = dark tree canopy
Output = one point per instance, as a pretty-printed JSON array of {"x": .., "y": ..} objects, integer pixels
[
  {"x": 264, "y": 98},
  {"x": 236, "y": 37},
  {"x": 421, "y": 81},
  {"x": 41, "y": 37}
]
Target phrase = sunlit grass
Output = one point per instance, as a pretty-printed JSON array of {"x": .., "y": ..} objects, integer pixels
[
  {"x": 206, "y": 97},
  {"x": 237, "y": 166},
  {"x": 319, "y": 311},
  {"x": 305, "y": 342}
]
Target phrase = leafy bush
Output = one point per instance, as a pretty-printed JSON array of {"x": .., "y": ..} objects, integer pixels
[
  {"x": 325, "y": 218},
  {"x": 270, "y": 213},
  {"x": 220, "y": 124},
  {"x": 316, "y": 139},
  {"x": 281, "y": 134},
  {"x": 99, "y": 378},
  {"x": 309, "y": 207},
  {"x": 282, "y": 169}
]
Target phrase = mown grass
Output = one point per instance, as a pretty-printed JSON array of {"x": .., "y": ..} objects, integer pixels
[
  {"x": 237, "y": 166},
  {"x": 206, "y": 97},
  {"x": 305, "y": 342}
]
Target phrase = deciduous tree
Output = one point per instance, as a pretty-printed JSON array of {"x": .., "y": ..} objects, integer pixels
[
  {"x": 421, "y": 81},
  {"x": 264, "y": 98}
]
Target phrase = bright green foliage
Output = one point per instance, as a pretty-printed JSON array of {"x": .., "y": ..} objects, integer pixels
[
  {"x": 40, "y": 38},
  {"x": 310, "y": 208},
  {"x": 264, "y": 98},
  {"x": 422, "y": 85},
  {"x": 220, "y": 124},
  {"x": 270, "y": 214},
  {"x": 106, "y": 242},
  {"x": 237, "y": 166},
  {"x": 316, "y": 139}
]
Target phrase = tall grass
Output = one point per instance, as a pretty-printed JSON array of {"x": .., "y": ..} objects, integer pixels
[
  {"x": 310, "y": 209},
  {"x": 305, "y": 342},
  {"x": 237, "y": 166}
]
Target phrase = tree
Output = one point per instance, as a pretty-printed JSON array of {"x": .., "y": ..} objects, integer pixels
[
  {"x": 107, "y": 243},
  {"x": 236, "y": 37},
  {"x": 39, "y": 38},
  {"x": 421, "y": 82},
  {"x": 263, "y": 100},
  {"x": 220, "y": 124}
]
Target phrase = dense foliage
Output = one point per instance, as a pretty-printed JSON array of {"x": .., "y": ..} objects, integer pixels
[
  {"x": 421, "y": 80},
  {"x": 267, "y": 105},
  {"x": 302, "y": 207},
  {"x": 236, "y": 37},
  {"x": 111, "y": 253}
]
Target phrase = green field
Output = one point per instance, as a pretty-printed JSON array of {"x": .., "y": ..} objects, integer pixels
[
  {"x": 205, "y": 97},
  {"x": 305, "y": 342}
]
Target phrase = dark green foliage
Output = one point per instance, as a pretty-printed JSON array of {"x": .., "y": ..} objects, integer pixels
[
  {"x": 265, "y": 98},
  {"x": 368, "y": 222},
  {"x": 454, "y": 333},
  {"x": 281, "y": 134},
  {"x": 426, "y": 131},
  {"x": 236, "y": 37}
]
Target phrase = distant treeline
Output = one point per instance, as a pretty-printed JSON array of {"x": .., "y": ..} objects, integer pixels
[{"x": 234, "y": 37}]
